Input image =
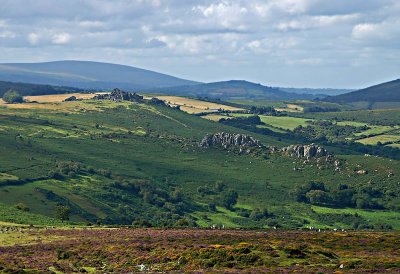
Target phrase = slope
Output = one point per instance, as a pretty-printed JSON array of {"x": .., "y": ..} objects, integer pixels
[
  {"x": 88, "y": 75},
  {"x": 34, "y": 89},
  {"x": 124, "y": 163},
  {"x": 385, "y": 92},
  {"x": 234, "y": 89}
]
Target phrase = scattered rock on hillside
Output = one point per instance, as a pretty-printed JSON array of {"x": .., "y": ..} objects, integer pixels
[
  {"x": 313, "y": 152},
  {"x": 305, "y": 151},
  {"x": 229, "y": 140},
  {"x": 118, "y": 95}
]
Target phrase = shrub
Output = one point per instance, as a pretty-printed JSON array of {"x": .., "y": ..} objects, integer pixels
[
  {"x": 22, "y": 206},
  {"x": 12, "y": 97},
  {"x": 229, "y": 199}
]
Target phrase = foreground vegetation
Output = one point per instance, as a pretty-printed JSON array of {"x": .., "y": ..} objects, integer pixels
[{"x": 192, "y": 250}]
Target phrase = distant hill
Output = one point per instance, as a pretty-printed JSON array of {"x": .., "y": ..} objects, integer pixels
[
  {"x": 34, "y": 89},
  {"x": 317, "y": 91},
  {"x": 88, "y": 75},
  {"x": 386, "y": 92},
  {"x": 233, "y": 89}
]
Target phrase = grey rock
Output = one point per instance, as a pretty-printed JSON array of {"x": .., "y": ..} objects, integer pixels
[
  {"x": 229, "y": 140},
  {"x": 118, "y": 95},
  {"x": 305, "y": 151}
]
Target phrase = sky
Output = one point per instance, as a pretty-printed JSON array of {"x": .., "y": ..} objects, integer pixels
[{"x": 290, "y": 43}]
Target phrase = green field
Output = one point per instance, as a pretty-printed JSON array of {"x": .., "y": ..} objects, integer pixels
[
  {"x": 282, "y": 122},
  {"x": 389, "y": 217},
  {"x": 380, "y": 138}
]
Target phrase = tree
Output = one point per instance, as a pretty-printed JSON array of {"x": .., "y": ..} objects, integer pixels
[
  {"x": 229, "y": 199},
  {"x": 63, "y": 212},
  {"x": 318, "y": 197},
  {"x": 12, "y": 96}
]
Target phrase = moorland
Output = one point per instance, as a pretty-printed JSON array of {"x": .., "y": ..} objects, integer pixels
[{"x": 317, "y": 180}]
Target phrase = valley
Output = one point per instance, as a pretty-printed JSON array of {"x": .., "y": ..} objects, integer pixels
[{"x": 107, "y": 162}]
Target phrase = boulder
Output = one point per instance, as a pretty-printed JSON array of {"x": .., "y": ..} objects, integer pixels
[
  {"x": 71, "y": 99},
  {"x": 305, "y": 151},
  {"x": 229, "y": 140}
]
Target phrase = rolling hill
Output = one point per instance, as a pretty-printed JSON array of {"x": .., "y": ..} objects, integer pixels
[
  {"x": 388, "y": 92},
  {"x": 34, "y": 89},
  {"x": 233, "y": 89},
  {"x": 145, "y": 163},
  {"x": 87, "y": 75}
]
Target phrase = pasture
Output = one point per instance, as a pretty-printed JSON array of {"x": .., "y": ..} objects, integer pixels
[
  {"x": 57, "y": 98},
  {"x": 284, "y": 122},
  {"x": 194, "y": 106},
  {"x": 384, "y": 139}
]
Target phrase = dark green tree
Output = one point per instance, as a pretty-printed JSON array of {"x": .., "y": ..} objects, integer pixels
[
  {"x": 229, "y": 199},
  {"x": 63, "y": 212},
  {"x": 318, "y": 197},
  {"x": 12, "y": 97}
]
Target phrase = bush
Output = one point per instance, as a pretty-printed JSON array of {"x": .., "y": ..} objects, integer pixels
[
  {"x": 12, "y": 97},
  {"x": 229, "y": 199},
  {"x": 22, "y": 206}
]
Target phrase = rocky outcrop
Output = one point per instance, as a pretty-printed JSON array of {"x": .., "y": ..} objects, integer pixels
[
  {"x": 305, "y": 151},
  {"x": 71, "y": 99},
  {"x": 118, "y": 95},
  {"x": 156, "y": 101},
  {"x": 229, "y": 140}
]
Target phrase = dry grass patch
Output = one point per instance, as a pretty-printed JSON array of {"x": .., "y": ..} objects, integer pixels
[
  {"x": 54, "y": 98},
  {"x": 194, "y": 106},
  {"x": 291, "y": 108}
]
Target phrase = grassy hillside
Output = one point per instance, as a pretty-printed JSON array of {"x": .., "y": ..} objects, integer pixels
[
  {"x": 139, "y": 163},
  {"x": 378, "y": 94}
]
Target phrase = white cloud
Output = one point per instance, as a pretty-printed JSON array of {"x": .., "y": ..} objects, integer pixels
[
  {"x": 183, "y": 36},
  {"x": 91, "y": 24},
  {"x": 61, "y": 38},
  {"x": 33, "y": 38},
  {"x": 311, "y": 22},
  {"x": 386, "y": 33},
  {"x": 305, "y": 61},
  {"x": 271, "y": 45},
  {"x": 7, "y": 34},
  {"x": 226, "y": 14}
]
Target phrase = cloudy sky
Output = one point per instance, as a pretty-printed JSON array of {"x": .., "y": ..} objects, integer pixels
[{"x": 296, "y": 43}]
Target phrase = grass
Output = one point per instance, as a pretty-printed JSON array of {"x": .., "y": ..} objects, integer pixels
[
  {"x": 380, "y": 138},
  {"x": 351, "y": 123},
  {"x": 375, "y": 130},
  {"x": 54, "y": 98},
  {"x": 215, "y": 117},
  {"x": 281, "y": 122},
  {"x": 158, "y": 145},
  {"x": 284, "y": 122},
  {"x": 194, "y": 106},
  {"x": 9, "y": 214},
  {"x": 7, "y": 177},
  {"x": 394, "y": 145},
  {"x": 377, "y": 217},
  {"x": 291, "y": 108}
]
